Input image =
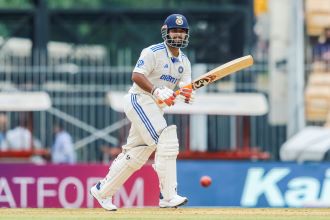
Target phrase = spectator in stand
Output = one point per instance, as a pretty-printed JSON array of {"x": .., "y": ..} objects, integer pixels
[
  {"x": 63, "y": 148},
  {"x": 3, "y": 128},
  {"x": 322, "y": 51},
  {"x": 110, "y": 152},
  {"x": 19, "y": 138}
]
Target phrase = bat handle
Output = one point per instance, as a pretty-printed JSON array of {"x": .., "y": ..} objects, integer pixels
[{"x": 177, "y": 92}]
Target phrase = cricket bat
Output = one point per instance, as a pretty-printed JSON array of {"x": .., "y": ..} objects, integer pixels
[{"x": 219, "y": 72}]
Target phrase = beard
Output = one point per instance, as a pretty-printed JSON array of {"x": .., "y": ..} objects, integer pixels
[{"x": 177, "y": 39}]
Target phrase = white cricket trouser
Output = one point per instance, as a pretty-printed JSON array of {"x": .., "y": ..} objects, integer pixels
[
  {"x": 147, "y": 124},
  {"x": 150, "y": 128},
  {"x": 147, "y": 120}
]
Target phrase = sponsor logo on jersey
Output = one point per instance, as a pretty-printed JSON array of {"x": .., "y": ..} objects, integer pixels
[
  {"x": 140, "y": 63},
  {"x": 169, "y": 78}
]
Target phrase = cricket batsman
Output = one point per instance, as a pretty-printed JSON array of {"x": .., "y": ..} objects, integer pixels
[{"x": 159, "y": 70}]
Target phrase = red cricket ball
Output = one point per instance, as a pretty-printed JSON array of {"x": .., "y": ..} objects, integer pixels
[{"x": 205, "y": 181}]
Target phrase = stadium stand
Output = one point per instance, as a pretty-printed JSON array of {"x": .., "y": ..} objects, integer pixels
[
  {"x": 318, "y": 97},
  {"x": 317, "y": 16}
]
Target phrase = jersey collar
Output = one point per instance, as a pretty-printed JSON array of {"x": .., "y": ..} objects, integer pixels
[{"x": 173, "y": 58}]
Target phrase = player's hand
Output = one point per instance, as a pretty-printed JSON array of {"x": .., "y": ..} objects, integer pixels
[
  {"x": 187, "y": 95},
  {"x": 164, "y": 94}
]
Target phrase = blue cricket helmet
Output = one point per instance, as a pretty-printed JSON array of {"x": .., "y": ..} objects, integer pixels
[{"x": 175, "y": 21}]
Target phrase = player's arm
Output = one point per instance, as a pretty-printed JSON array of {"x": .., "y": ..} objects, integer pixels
[
  {"x": 142, "y": 81},
  {"x": 160, "y": 93},
  {"x": 143, "y": 68}
]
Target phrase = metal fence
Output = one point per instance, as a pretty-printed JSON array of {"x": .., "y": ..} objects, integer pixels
[{"x": 78, "y": 84}]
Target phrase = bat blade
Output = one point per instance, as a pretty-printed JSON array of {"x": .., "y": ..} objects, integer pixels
[
  {"x": 222, "y": 71},
  {"x": 218, "y": 73}
]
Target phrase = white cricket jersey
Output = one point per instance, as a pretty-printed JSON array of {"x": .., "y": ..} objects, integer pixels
[{"x": 162, "y": 69}]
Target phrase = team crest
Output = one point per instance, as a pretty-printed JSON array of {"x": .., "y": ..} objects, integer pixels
[
  {"x": 179, "y": 20},
  {"x": 180, "y": 69}
]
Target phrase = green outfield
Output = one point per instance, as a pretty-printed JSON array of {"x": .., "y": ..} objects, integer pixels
[{"x": 156, "y": 213}]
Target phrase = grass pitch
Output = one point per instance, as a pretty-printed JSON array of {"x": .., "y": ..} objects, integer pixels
[{"x": 157, "y": 213}]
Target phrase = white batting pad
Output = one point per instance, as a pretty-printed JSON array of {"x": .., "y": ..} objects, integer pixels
[
  {"x": 165, "y": 161},
  {"x": 123, "y": 167}
]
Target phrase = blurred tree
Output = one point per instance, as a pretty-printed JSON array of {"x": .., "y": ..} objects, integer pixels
[
  {"x": 3, "y": 30},
  {"x": 15, "y": 4}
]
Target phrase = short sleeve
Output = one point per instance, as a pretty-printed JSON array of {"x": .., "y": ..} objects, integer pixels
[{"x": 146, "y": 62}]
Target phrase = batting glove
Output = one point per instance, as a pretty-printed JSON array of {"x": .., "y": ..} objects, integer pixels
[
  {"x": 187, "y": 95},
  {"x": 164, "y": 94}
]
